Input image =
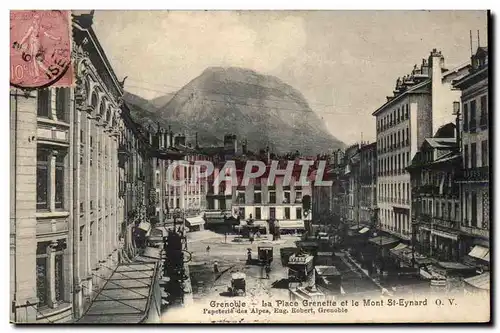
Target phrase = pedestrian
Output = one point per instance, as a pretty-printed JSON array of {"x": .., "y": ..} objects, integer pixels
[
  {"x": 208, "y": 249},
  {"x": 268, "y": 270},
  {"x": 216, "y": 267}
]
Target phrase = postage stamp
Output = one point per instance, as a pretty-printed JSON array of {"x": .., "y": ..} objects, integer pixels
[{"x": 40, "y": 48}]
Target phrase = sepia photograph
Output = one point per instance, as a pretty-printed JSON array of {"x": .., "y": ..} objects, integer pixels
[{"x": 250, "y": 166}]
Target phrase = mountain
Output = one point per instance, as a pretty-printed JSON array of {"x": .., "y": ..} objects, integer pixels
[{"x": 259, "y": 108}]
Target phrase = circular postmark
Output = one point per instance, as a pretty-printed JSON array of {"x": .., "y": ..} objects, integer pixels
[{"x": 40, "y": 47}]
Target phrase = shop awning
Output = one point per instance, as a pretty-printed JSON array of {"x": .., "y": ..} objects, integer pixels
[
  {"x": 383, "y": 240},
  {"x": 425, "y": 274},
  {"x": 145, "y": 226},
  {"x": 481, "y": 281},
  {"x": 127, "y": 296},
  {"x": 364, "y": 230},
  {"x": 196, "y": 220},
  {"x": 480, "y": 252},
  {"x": 399, "y": 247},
  {"x": 451, "y": 265}
]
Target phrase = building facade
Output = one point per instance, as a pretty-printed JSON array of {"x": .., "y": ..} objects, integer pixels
[
  {"x": 435, "y": 197},
  {"x": 422, "y": 102},
  {"x": 367, "y": 182},
  {"x": 475, "y": 144},
  {"x": 80, "y": 176},
  {"x": 261, "y": 202}
]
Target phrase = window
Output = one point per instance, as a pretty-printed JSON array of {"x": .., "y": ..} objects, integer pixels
[
  {"x": 298, "y": 213},
  {"x": 286, "y": 198},
  {"x": 41, "y": 274},
  {"x": 241, "y": 197},
  {"x": 42, "y": 179},
  {"x": 484, "y": 153},
  {"x": 82, "y": 229},
  {"x": 272, "y": 197},
  {"x": 59, "y": 195},
  {"x": 466, "y": 117},
  {"x": 484, "y": 111},
  {"x": 257, "y": 197},
  {"x": 298, "y": 197},
  {"x": 457, "y": 211},
  {"x": 472, "y": 115},
  {"x": 258, "y": 213},
  {"x": 43, "y": 254},
  {"x": 61, "y": 103},
  {"x": 287, "y": 213},
  {"x": 473, "y": 155},
  {"x": 43, "y": 103},
  {"x": 272, "y": 212}
]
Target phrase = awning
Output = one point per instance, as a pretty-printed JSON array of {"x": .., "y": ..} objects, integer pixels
[
  {"x": 425, "y": 274},
  {"x": 480, "y": 252},
  {"x": 383, "y": 240},
  {"x": 451, "y": 265},
  {"x": 481, "y": 281},
  {"x": 399, "y": 247},
  {"x": 292, "y": 224},
  {"x": 364, "y": 230},
  {"x": 127, "y": 296},
  {"x": 192, "y": 221},
  {"x": 145, "y": 226}
]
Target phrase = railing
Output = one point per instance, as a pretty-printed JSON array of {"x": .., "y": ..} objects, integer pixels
[
  {"x": 475, "y": 174},
  {"x": 475, "y": 231},
  {"x": 446, "y": 223}
]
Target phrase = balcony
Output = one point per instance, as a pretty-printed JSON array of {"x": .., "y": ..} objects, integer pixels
[
  {"x": 430, "y": 190},
  {"x": 474, "y": 231},
  {"x": 481, "y": 174},
  {"x": 446, "y": 223}
]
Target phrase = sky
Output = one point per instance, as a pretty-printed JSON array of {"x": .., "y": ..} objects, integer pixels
[{"x": 345, "y": 63}]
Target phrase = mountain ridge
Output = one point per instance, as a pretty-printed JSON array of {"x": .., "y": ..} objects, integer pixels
[{"x": 260, "y": 108}]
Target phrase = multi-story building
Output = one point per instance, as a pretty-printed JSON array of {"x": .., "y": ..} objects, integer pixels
[
  {"x": 435, "y": 196},
  {"x": 422, "y": 102},
  {"x": 350, "y": 183},
  {"x": 474, "y": 137},
  {"x": 79, "y": 170},
  {"x": 262, "y": 202},
  {"x": 367, "y": 182}
]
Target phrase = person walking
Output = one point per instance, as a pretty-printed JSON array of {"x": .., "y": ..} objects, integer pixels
[
  {"x": 216, "y": 267},
  {"x": 208, "y": 249},
  {"x": 268, "y": 270}
]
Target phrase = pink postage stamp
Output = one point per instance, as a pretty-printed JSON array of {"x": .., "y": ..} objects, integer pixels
[{"x": 40, "y": 48}]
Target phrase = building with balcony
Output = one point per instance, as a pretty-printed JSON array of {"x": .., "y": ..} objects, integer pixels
[
  {"x": 475, "y": 144},
  {"x": 435, "y": 196},
  {"x": 421, "y": 102},
  {"x": 79, "y": 171}
]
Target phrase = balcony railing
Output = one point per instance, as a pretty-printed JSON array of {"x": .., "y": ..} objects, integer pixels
[
  {"x": 446, "y": 223},
  {"x": 475, "y": 174},
  {"x": 475, "y": 231}
]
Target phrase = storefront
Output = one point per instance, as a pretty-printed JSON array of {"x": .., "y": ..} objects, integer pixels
[{"x": 381, "y": 245}]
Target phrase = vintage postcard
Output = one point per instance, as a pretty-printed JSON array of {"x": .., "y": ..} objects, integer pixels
[{"x": 249, "y": 167}]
